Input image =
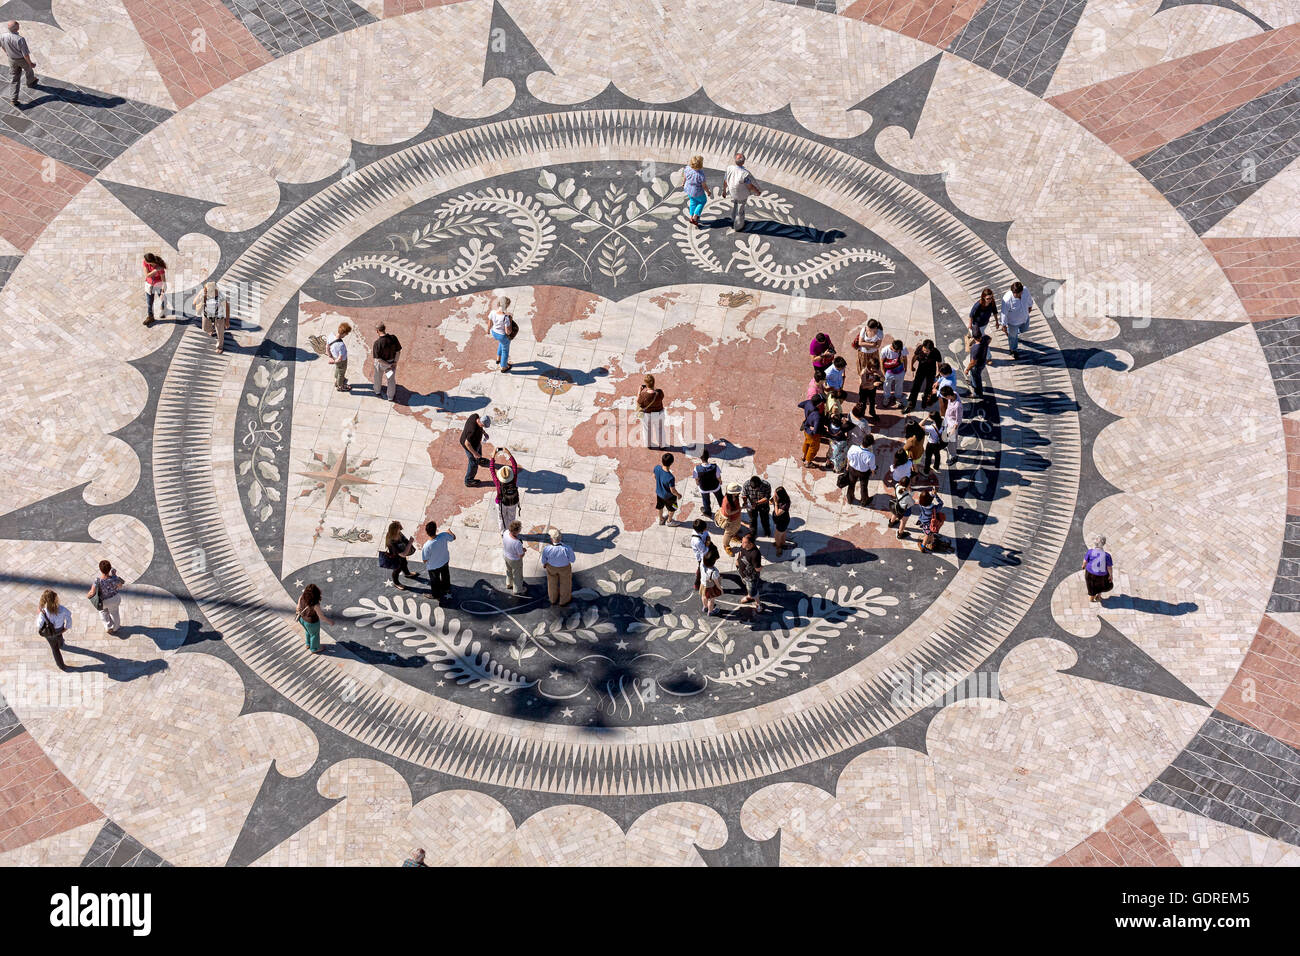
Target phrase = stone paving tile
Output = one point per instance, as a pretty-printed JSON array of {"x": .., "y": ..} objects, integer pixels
[
  {"x": 36, "y": 800},
  {"x": 928, "y": 22},
  {"x": 1208, "y": 172},
  {"x": 1021, "y": 40},
  {"x": 197, "y": 45},
  {"x": 1198, "y": 841},
  {"x": 1280, "y": 339},
  {"x": 83, "y": 128},
  {"x": 1129, "y": 839},
  {"x": 114, "y": 847},
  {"x": 1237, "y": 775},
  {"x": 1266, "y": 691},
  {"x": 1139, "y": 112},
  {"x": 288, "y": 25},
  {"x": 1265, "y": 273},
  {"x": 33, "y": 189}
]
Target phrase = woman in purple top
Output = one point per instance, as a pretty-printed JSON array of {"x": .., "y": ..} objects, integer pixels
[
  {"x": 696, "y": 189},
  {"x": 1097, "y": 567},
  {"x": 822, "y": 352}
]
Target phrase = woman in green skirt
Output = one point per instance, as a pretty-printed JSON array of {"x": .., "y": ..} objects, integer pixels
[{"x": 310, "y": 616}]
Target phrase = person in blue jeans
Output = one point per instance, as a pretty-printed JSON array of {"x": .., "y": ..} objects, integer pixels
[
  {"x": 696, "y": 189},
  {"x": 498, "y": 324}
]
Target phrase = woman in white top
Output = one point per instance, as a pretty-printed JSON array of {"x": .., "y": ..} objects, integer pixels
[
  {"x": 337, "y": 352},
  {"x": 214, "y": 309},
  {"x": 51, "y": 623},
  {"x": 867, "y": 345},
  {"x": 498, "y": 326}
]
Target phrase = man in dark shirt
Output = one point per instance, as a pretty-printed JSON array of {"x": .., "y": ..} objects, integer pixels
[
  {"x": 756, "y": 499},
  {"x": 471, "y": 439},
  {"x": 385, "y": 351},
  {"x": 813, "y": 428},
  {"x": 748, "y": 562},
  {"x": 979, "y": 357}
]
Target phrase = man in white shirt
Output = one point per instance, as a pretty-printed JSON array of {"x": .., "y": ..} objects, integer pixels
[
  {"x": 557, "y": 559},
  {"x": 437, "y": 559},
  {"x": 512, "y": 549},
  {"x": 738, "y": 183},
  {"x": 338, "y": 357},
  {"x": 15, "y": 48},
  {"x": 894, "y": 362},
  {"x": 1015, "y": 315},
  {"x": 862, "y": 462}
]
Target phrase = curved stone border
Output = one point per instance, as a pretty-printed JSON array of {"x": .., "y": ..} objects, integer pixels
[{"x": 962, "y": 628}]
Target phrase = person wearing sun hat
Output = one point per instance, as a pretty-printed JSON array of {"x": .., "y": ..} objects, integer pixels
[
  {"x": 729, "y": 517},
  {"x": 506, "y": 478}
]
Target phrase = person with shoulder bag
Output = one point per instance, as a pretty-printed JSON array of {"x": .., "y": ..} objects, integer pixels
[
  {"x": 397, "y": 548},
  {"x": 105, "y": 595},
  {"x": 501, "y": 326},
  {"x": 214, "y": 310},
  {"x": 385, "y": 352},
  {"x": 52, "y": 622}
]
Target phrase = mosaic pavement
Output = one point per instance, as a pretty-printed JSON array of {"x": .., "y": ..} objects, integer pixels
[{"x": 1136, "y": 163}]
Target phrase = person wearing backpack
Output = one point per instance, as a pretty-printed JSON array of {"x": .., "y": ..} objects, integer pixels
[
  {"x": 506, "y": 479},
  {"x": 385, "y": 350},
  {"x": 813, "y": 428},
  {"x": 710, "y": 582},
  {"x": 53, "y": 621},
  {"x": 650, "y": 403},
  {"x": 104, "y": 594},
  {"x": 338, "y": 357},
  {"x": 708, "y": 479},
  {"x": 214, "y": 310},
  {"x": 701, "y": 545},
  {"x": 929, "y": 519}
]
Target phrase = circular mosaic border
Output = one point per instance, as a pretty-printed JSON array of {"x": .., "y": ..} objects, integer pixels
[{"x": 979, "y": 610}]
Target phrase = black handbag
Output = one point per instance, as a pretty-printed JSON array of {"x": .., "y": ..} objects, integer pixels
[
  {"x": 387, "y": 561},
  {"x": 47, "y": 629}
]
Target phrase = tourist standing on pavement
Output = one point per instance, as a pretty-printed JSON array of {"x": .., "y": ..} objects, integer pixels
[
  {"x": 729, "y": 517},
  {"x": 952, "y": 418},
  {"x": 925, "y": 363},
  {"x": 710, "y": 582},
  {"x": 666, "y": 498},
  {"x": 861, "y": 465},
  {"x": 1098, "y": 568},
  {"x": 696, "y": 189},
  {"x": 214, "y": 311},
  {"x": 708, "y": 479},
  {"x": 867, "y": 344},
  {"x": 813, "y": 428},
  {"x": 104, "y": 595},
  {"x": 399, "y": 548},
  {"x": 471, "y": 441},
  {"x": 506, "y": 479},
  {"x": 650, "y": 403},
  {"x": 780, "y": 517},
  {"x": 934, "y": 442},
  {"x": 701, "y": 544},
  {"x": 310, "y": 615},
  {"x": 337, "y": 352},
  {"x": 929, "y": 519},
  {"x": 983, "y": 312},
  {"x": 512, "y": 550},
  {"x": 155, "y": 286},
  {"x": 15, "y": 47},
  {"x": 1016, "y": 304},
  {"x": 501, "y": 325},
  {"x": 947, "y": 379},
  {"x": 436, "y": 555},
  {"x": 757, "y": 497},
  {"x": 738, "y": 184},
  {"x": 53, "y": 620},
  {"x": 822, "y": 351},
  {"x": 977, "y": 359},
  {"x": 557, "y": 559},
  {"x": 385, "y": 352},
  {"x": 749, "y": 563},
  {"x": 894, "y": 362}
]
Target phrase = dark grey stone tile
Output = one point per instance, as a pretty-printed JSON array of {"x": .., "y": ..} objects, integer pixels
[
  {"x": 1207, "y": 173},
  {"x": 1019, "y": 40},
  {"x": 113, "y": 847},
  {"x": 283, "y": 26},
  {"x": 1235, "y": 774}
]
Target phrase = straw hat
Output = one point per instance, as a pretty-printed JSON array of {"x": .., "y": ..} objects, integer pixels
[
  {"x": 506, "y": 473},
  {"x": 733, "y": 488}
]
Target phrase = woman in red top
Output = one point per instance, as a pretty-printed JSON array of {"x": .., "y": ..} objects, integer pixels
[
  {"x": 822, "y": 352},
  {"x": 155, "y": 278}
]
